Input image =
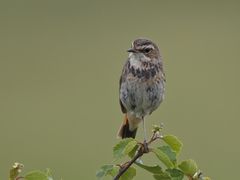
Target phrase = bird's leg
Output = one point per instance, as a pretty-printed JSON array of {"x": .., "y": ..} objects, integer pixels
[{"x": 145, "y": 144}]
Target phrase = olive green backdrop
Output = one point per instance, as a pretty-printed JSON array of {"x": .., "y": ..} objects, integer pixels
[{"x": 60, "y": 63}]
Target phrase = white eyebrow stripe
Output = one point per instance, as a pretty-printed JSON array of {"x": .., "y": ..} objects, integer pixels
[{"x": 148, "y": 46}]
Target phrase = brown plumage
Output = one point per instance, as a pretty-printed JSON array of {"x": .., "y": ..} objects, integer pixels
[{"x": 142, "y": 85}]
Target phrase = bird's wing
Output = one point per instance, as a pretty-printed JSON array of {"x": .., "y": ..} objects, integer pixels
[
  {"x": 122, "y": 79},
  {"x": 121, "y": 104}
]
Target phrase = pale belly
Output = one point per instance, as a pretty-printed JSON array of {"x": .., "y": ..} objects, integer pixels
[{"x": 141, "y": 98}]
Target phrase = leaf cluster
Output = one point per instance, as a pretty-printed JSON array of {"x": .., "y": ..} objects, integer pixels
[
  {"x": 167, "y": 165},
  {"x": 15, "y": 174}
]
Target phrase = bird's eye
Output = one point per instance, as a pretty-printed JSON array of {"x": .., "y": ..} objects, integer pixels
[{"x": 147, "y": 50}]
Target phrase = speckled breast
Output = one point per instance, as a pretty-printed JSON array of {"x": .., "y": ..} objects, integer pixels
[{"x": 142, "y": 90}]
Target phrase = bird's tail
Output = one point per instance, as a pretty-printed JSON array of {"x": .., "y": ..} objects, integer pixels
[{"x": 124, "y": 131}]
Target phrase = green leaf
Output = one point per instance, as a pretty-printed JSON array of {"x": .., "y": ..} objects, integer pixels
[
  {"x": 173, "y": 142},
  {"x": 168, "y": 151},
  {"x": 163, "y": 157},
  {"x": 162, "y": 176},
  {"x": 107, "y": 170},
  {"x": 152, "y": 169},
  {"x": 103, "y": 171},
  {"x": 129, "y": 174},
  {"x": 132, "y": 153},
  {"x": 175, "y": 174},
  {"x": 114, "y": 171},
  {"x": 124, "y": 147},
  {"x": 36, "y": 175},
  {"x": 189, "y": 167},
  {"x": 130, "y": 146}
]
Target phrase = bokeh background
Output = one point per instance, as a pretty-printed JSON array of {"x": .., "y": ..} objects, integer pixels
[{"x": 60, "y": 64}]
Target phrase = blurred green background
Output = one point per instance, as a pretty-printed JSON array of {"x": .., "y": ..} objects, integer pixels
[{"x": 60, "y": 64}]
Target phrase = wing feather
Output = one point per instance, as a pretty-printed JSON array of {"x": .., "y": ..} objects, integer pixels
[
  {"x": 121, "y": 104},
  {"x": 122, "y": 79}
]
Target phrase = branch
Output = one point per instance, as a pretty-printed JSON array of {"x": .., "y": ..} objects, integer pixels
[
  {"x": 125, "y": 167},
  {"x": 142, "y": 150},
  {"x": 166, "y": 154}
]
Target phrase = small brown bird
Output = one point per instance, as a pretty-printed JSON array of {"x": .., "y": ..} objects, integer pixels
[{"x": 142, "y": 86}]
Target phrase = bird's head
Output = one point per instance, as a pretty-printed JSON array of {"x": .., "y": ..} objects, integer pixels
[{"x": 144, "y": 49}]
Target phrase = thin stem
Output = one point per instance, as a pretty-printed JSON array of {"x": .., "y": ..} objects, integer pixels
[
  {"x": 154, "y": 137},
  {"x": 142, "y": 150},
  {"x": 124, "y": 168}
]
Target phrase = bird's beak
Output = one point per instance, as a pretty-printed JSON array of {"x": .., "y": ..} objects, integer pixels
[{"x": 131, "y": 50}]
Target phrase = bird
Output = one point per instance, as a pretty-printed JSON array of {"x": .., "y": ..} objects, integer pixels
[{"x": 141, "y": 86}]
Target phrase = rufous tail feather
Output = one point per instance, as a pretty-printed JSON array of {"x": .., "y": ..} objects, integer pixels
[{"x": 124, "y": 131}]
